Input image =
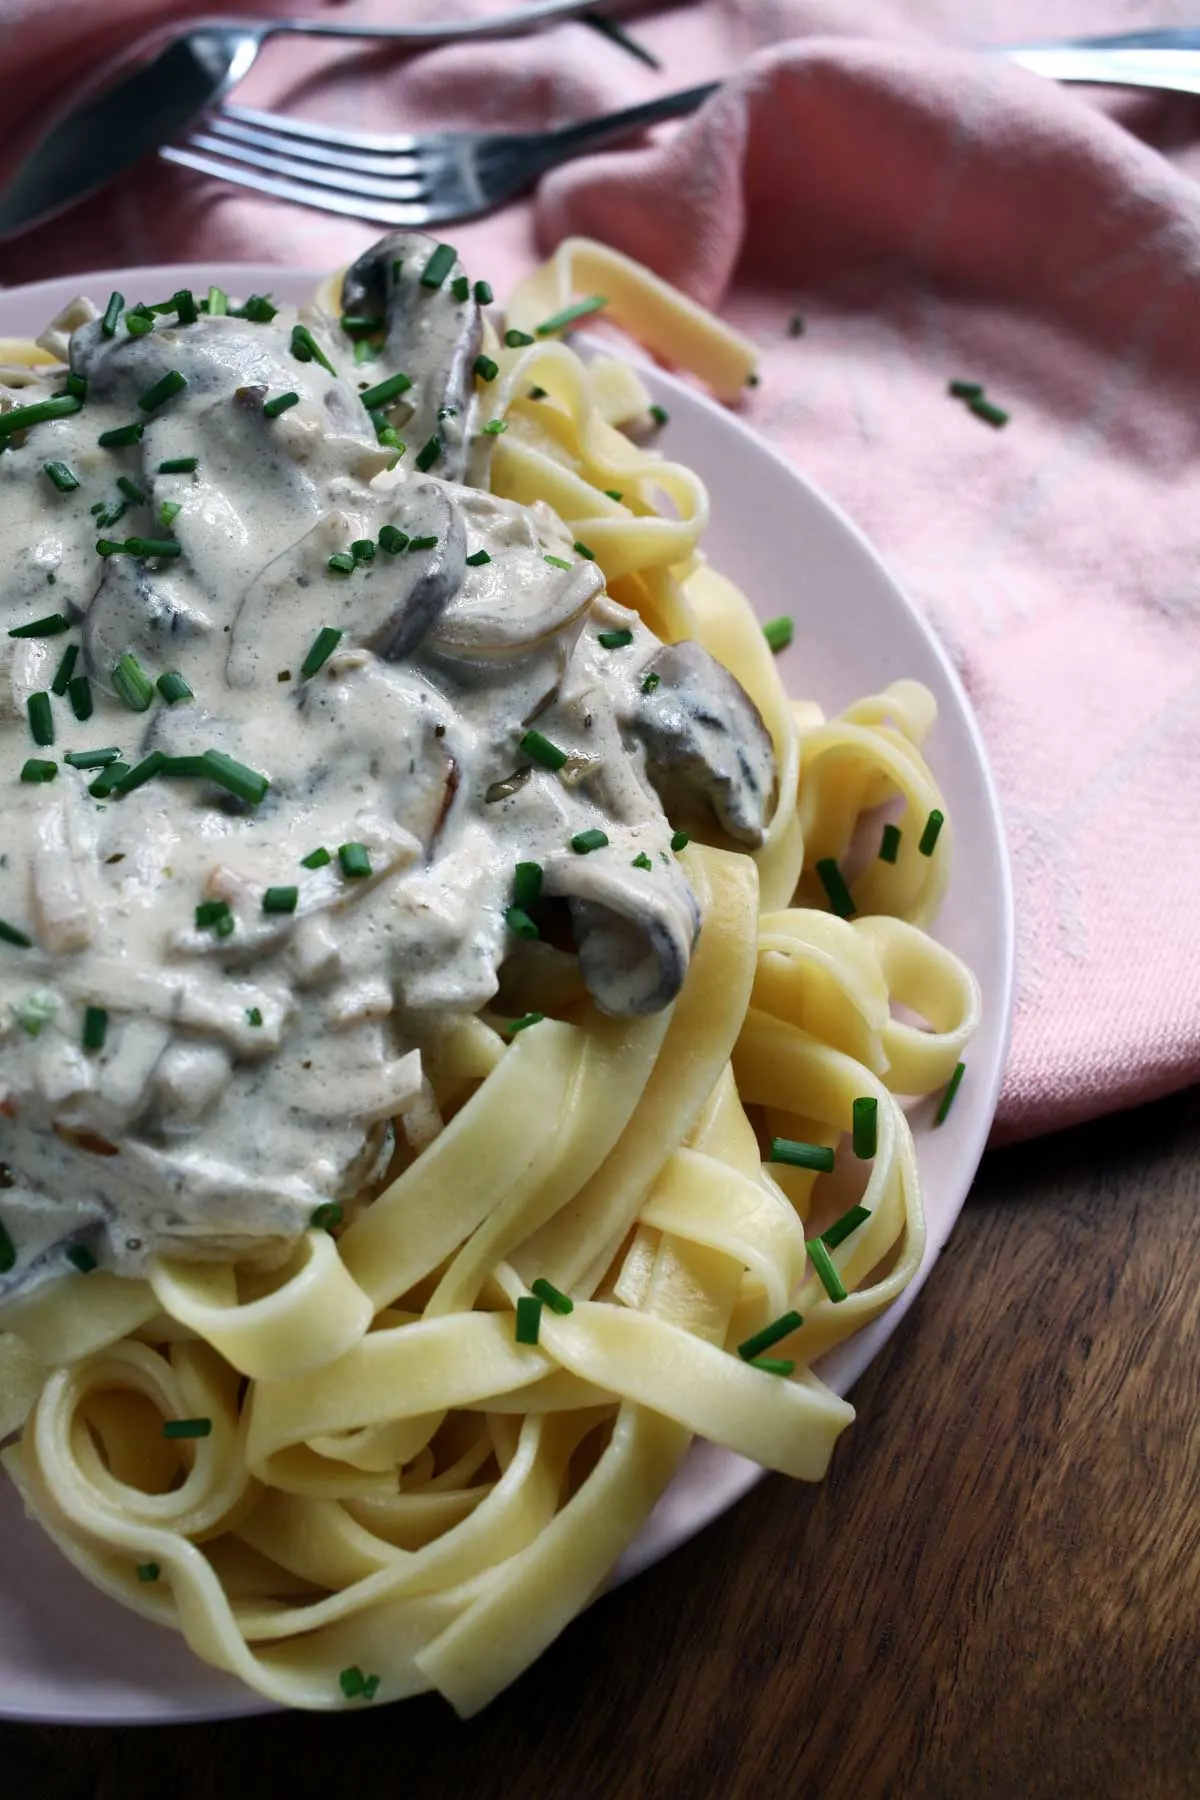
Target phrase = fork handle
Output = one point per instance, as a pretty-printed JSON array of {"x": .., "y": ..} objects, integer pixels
[{"x": 569, "y": 140}]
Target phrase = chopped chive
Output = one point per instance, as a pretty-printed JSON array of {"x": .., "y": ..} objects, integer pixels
[
  {"x": 180, "y": 465},
  {"x": 341, "y": 563},
  {"x": 988, "y": 411},
  {"x": 660, "y": 415},
  {"x": 524, "y": 1022},
  {"x": 866, "y": 1127},
  {"x": 614, "y": 494},
  {"x": 82, "y": 1259},
  {"x": 773, "y": 1365},
  {"x": 485, "y": 368},
  {"x": 965, "y": 390},
  {"x": 138, "y": 324},
  {"x": 355, "y": 860},
  {"x": 584, "y": 842},
  {"x": 364, "y": 352},
  {"x": 323, "y": 647},
  {"x": 36, "y": 768},
  {"x": 132, "y": 683},
  {"x": 63, "y": 478},
  {"x": 520, "y": 924},
  {"x": 258, "y": 309},
  {"x": 141, "y": 773},
  {"x": 192, "y": 768},
  {"x": 429, "y": 452},
  {"x": 614, "y": 640},
  {"x": 370, "y": 1687},
  {"x": 651, "y": 682},
  {"x": 527, "y": 884},
  {"x": 351, "y": 1681},
  {"x": 187, "y": 1428},
  {"x": 112, "y": 314},
  {"x": 529, "y": 1319},
  {"x": 362, "y": 324},
  {"x": 65, "y": 670},
  {"x": 40, "y": 413},
  {"x": 212, "y": 913},
  {"x": 795, "y": 326},
  {"x": 516, "y": 340},
  {"x": 254, "y": 1016},
  {"x": 889, "y": 846},
  {"x": 173, "y": 687},
  {"x": 438, "y": 267},
  {"x": 386, "y": 391},
  {"x": 79, "y": 694},
  {"x": 148, "y": 1571},
  {"x": 834, "y": 883},
  {"x": 327, "y": 1217},
  {"x": 280, "y": 899},
  {"x": 478, "y": 560},
  {"x": 280, "y": 404},
  {"x": 92, "y": 759},
  {"x": 769, "y": 1335},
  {"x": 556, "y": 562},
  {"x": 363, "y": 550},
  {"x": 494, "y": 427},
  {"x": 41, "y": 718},
  {"x": 39, "y": 628},
  {"x": 112, "y": 546},
  {"x": 952, "y": 1087},
  {"x": 165, "y": 547},
  {"x": 316, "y": 859},
  {"x": 817, "y": 1157},
  {"x": 305, "y": 348},
  {"x": 841, "y": 1228},
  {"x": 778, "y": 633},
  {"x": 12, "y": 935},
  {"x": 162, "y": 390},
  {"x": 131, "y": 490},
  {"x": 822, "y": 1264},
  {"x": 553, "y": 1297},
  {"x": 104, "y": 783},
  {"x": 422, "y": 543},
  {"x": 77, "y": 385},
  {"x": 540, "y": 750},
  {"x": 679, "y": 840},
  {"x": 95, "y": 1027},
  {"x": 218, "y": 302},
  {"x": 246, "y": 784},
  {"x": 483, "y": 293},
  {"x": 642, "y": 861},
  {"x": 460, "y": 287},
  {"x": 185, "y": 307},
  {"x": 571, "y": 315},
  {"x": 121, "y": 436},
  {"x": 931, "y": 833}
]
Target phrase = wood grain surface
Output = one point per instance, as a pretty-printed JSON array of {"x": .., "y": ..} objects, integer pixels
[{"x": 996, "y": 1596}]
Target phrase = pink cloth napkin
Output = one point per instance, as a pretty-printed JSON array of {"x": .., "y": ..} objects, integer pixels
[{"x": 931, "y": 213}]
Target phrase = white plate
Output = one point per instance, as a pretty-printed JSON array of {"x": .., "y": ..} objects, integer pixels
[{"x": 69, "y": 1654}]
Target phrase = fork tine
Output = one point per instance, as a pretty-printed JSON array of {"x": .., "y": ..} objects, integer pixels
[
  {"x": 376, "y": 162},
  {"x": 372, "y": 187},
  {"x": 353, "y": 206},
  {"x": 400, "y": 142}
]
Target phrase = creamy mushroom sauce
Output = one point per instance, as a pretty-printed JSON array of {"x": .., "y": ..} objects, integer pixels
[{"x": 246, "y": 1079}]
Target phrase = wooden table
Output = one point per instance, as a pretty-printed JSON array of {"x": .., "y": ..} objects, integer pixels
[{"x": 996, "y": 1596}]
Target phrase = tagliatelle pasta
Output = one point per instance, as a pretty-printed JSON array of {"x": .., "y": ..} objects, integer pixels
[{"x": 374, "y": 1486}]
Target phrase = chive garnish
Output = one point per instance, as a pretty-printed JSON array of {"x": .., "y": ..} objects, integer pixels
[
  {"x": 81, "y": 1258},
  {"x": 187, "y": 1428},
  {"x": 529, "y": 1319},
  {"x": 520, "y": 924},
  {"x": 834, "y": 883},
  {"x": 527, "y": 884},
  {"x": 193, "y": 768},
  {"x": 355, "y": 860},
  {"x": 79, "y": 694},
  {"x": 364, "y": 352},
  {"x": 21, "y": 417},
  {"x": 556, "y": 562},
  {"x": 460, "y": 287},
  {"x": 931, "y": 833},
  {"x": 553, "y": 1297},
  {"x": 95, "y": 1027},
  {"x": 186, "y": 310},
  {"x": 479, "y": 558},
  {"x": 63, "y": 478},
  {"x": 246, "y": 784},
  {"x": 280, "y": 899},
  {"x": 353, "y": 1682},
  {"x": 121, "y": 436},
  {"x": 841, "y": 1228},
  {"x": 111, "y": 546},
  {"x": 340, "y": 563},
  {"x": 483, "y": 293},
  {"x": 584, "y": 842},
  {"x": 516, "y": 340},
  {"x": 326, "y": 1217},
  {"x": 112, "y": 314},
  {"x": 137, "y": 324},
  {"x": 422, "y": 543},
  {"x": 258, "y": 309},
  {"x": 218, "y": 302},
  {"x": 614, "y": 640},
  {"x": 822, "y": 1263},
  {"x": 36, "y": 768},
  {"x": 540, "y": 750},
  {"x": 180, "y": 465},
  {"x": 141, "y": 773},
  {"x": 438, "y": 266},
  {"x": 494, "y": 427},
  {"x": 210, "y": 913},
  {"x": 614, "y": 494},
  {"x": 148, "y": 1571},
  {"x": 65, "y": 670},
  {"x": 39, "y": 628},
  {"x": 92, "y": 759},
  {"x": 965, "y": 390},
  {"x": 571, "y": 315},
  {"x": 642, "y": 861},
  {"x": 778, "y": 633},
  {"x": 168, "y": 512},
  {"x": 132, "y": 683},
  {"x": 280, "y": 403},
  {"x": 889, "y": 845},
  {"x": 131, "y": 490},
  {"x": 305, "y": 348},
  {"x": 164, "y": 547},
  {"x": 660, "y": 415},
  {"x": 386, "y": 391},
  {"x": 161, "y": 391},
  {"x": 679, "y": 840},
  {"x": 316, "y": 859},
  {"x": 524, "y": 1022},
  {"x": 817, "y": 1157},
  {"x": 254, "y": 1016},
  {"x": 173, "y": 687},
  {"x": 988, "y": 411},
  {"x": 769, "y": 1335},
  {"x": 104, "y": 783},
  {"x": 773, "y": 1365},
  {"x": 12, "y": 935},
  {"x": 393, "y": 540},
  {"x": 865, "y": 1131},
  {"x": 41, "y": 718},
  {"x": 323, "y": 647},
  {"x": 651, "y": 682},
  {"x": 429, "y": 452},
  {"x": 485, "y": 368},
  {"x": 952, "y": 1088},
  {"x": 361, "y": 324},
  {"x": 363, "y": 550}
]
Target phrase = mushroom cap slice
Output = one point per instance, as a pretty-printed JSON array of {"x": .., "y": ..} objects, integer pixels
[{"x": 634, "y": 930}]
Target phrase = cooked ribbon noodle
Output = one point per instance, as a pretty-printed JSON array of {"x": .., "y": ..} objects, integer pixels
[{"x": 391, "y": 1482}]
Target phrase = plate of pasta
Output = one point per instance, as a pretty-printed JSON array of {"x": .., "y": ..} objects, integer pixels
[{"x": 506, "y": 958}]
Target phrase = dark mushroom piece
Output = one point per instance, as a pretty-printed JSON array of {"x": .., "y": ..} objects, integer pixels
[
  {"x": 140, "y": 611},
  {"x": 707, "y": 749},
  {"x": 432, "y": 338},
  {"x": 512, "y": 605},
  {"x": 634, "y": 931}
]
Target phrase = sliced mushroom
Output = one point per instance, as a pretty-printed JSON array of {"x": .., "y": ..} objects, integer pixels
[
  {"x": 431, "y": 337},
  {"x": 135, "y": 609},
  {"x": 705, "y": 742},
  {"x": 514, "y": 604},
  {"x": 634, "y": 929}
]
